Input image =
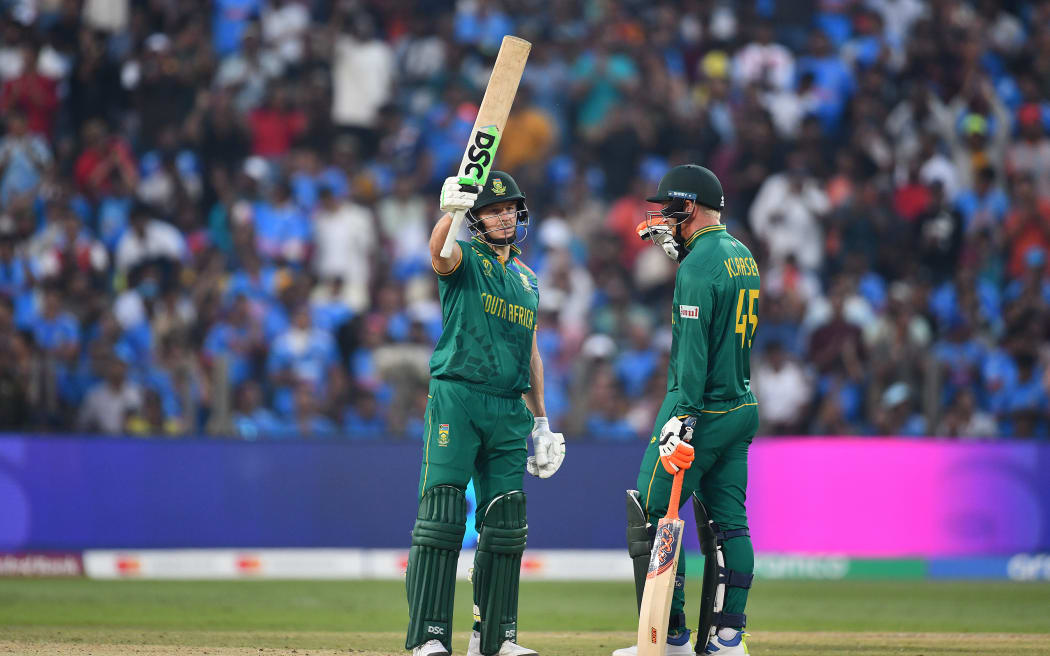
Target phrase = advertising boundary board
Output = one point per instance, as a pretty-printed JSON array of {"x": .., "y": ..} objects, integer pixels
[{"x": 865, "y": 498}]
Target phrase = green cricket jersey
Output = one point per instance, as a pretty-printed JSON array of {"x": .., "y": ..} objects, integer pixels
[
  {"x": 488, "y": 312},
  {"x": 714, "y": 316}
]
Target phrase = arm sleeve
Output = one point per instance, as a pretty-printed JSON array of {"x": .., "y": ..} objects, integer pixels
[{"x": 697, "y": 291}]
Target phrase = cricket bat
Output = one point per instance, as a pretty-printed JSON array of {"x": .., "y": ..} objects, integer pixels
[
  {"x": 659, "y": 582},
  {"x": 488, "y": 127}
]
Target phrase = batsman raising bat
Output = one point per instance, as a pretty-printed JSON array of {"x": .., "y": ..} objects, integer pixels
[
  {"x": 709, "y": 415},
  {"x": 486, "y": 399}
]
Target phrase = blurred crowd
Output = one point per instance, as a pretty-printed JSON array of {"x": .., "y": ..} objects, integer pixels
[{"x": 214, "y": 215}]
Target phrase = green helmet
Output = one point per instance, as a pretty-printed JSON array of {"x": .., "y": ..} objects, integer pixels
[
  {"x": 690, "y": 182},
  {"x": 499, "y": 188}
]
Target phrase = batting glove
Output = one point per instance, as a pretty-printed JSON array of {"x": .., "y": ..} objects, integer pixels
[
  {"x": 660, "y": 234},
  {"x": 675, "y": 451},
  {"x": 454, "y": 198},
  {"x": 549, "y": 450}
]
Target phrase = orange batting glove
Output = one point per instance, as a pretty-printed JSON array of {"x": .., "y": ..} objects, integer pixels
[{"x": 676, "y": 452}]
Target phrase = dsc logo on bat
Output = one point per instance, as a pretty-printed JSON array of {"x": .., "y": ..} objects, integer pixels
[{"x": 480, "y": 152}]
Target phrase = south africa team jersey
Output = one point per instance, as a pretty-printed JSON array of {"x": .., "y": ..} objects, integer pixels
[
  {"x": 488, "y": 312},
  {"x": 714, "y": 316}
]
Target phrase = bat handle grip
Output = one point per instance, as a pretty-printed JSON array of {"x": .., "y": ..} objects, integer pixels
[
  {"x": 676, "y": 495},
  {"x": 453, "y": 230}
]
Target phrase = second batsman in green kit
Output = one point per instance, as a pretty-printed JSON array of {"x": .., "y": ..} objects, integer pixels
[
  {"x": 485, "y": 400},
  {"x": 709, "y": 415}
]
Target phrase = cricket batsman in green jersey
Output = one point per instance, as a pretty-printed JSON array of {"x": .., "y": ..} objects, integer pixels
[
  {"x": 485, "y": 400},
  {"x": 709, "y": 415}
]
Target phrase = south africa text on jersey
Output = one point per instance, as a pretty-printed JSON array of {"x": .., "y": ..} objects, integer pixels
[{"x": 499, "y": 307}]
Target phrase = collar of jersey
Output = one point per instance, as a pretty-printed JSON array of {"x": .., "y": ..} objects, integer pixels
[
  {"x": 703, "y": 231},
  {"x": 488, "y": 247}
]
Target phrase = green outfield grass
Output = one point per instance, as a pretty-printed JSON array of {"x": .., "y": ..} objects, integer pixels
[{"x": 77, "y": 616}]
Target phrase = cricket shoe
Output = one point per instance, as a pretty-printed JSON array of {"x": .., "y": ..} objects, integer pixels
[
  {"x": 677, "y": 646},
  {"x": 728, "y": 642},
  {"x": 508, "y": 648},
  {"x": 430, "y": 648}
]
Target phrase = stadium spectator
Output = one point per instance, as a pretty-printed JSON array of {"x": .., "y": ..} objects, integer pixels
[
  {"x": 109, "y": 403},
  {"x": 1027, "y": 225},
  {"x": 364, "y": 419},
  {"x": 782, "y": 384},
  {"x": 103, "y": 159},
  {"x": 25, "y": 158},
  {"x": 964, "y": 419},
  {"x": 787, "y": 215},
  {"x": 1031, "y": 154},
  {"x": 148, "y": 240},
  {"x": 347, "y": 243},
  {"x": 302, "y": 354},
  {"x": 32, "y": 94},
  {"x": 251, "y": 420},
  {"x": 191, "y": 181},
  {"x": 149, "y": 420},
  {"x": 363, "y": 73}
]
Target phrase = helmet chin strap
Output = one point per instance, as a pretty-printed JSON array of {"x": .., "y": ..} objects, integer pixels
[{"x": 679, "y": 240}]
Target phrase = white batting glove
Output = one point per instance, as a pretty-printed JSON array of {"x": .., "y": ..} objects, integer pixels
[
  {"x": 549, "y": 449},
  {"x": 662, "y": 235},
  {"x": 454, "y": 199}
]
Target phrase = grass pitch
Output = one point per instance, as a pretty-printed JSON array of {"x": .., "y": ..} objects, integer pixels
[{"x": 367, "y": 618}]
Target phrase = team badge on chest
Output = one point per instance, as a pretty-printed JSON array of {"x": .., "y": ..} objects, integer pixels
[{"x": 525, "y": 282}]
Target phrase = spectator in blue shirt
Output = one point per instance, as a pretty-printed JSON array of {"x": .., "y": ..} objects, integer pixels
[
  {"x": 637, "y": 363},
  {"x": 283, "y": 232},
  {"x": 985, "y": 206},
  {"x": 484, "y": 26},
  {"x": 254, "y": 279},
  {"x": 832, "y": 79},
  {"x": 308, "y": 422},
  {"x": 55, "y": 331},
  {"x": 24, "y": 157},
  {"x": 302, "y": 354},
  {"x": 251, "y": 420},
  {"x": 607, "y": 419},
  {"x": 1026, "y": 400},
  {"x": 364, "y": 420},
  {"x": 229, "y": 19},
  {"x": 16, "y": 277},
  {"x": 239, "y": 339}
]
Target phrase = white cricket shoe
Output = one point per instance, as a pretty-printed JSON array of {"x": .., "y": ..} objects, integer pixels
[
  {"x": 728, "y": 642},
  {"x": 508, "y": 648},
  {"x": 430, "y": 648},
  {"x": 675, "y": 647}
]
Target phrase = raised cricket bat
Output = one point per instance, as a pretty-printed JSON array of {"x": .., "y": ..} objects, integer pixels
[
  {"x": 659, "y": 582},
  {"x": 488, "y": 127}
]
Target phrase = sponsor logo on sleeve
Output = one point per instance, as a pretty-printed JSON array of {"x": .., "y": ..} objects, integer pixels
[{"x": 689, "y": 311}]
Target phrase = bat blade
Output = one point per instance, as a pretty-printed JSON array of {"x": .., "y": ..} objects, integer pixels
[
  {"x": 488, "y": 127},
  {"x": 659, "y": 588}
]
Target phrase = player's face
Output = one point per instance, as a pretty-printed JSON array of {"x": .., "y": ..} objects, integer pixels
[{"x": 500, "y": 220}]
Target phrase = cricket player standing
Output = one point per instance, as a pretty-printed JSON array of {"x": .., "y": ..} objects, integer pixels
[
  {"x": 709, "y": 416},
  {"x": 486, "y": 398}
]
